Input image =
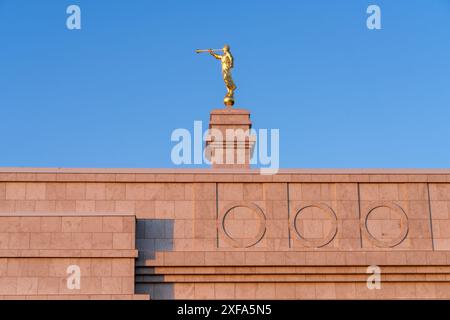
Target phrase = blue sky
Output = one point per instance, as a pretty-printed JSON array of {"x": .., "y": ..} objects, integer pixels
[{"x": 110, "y": 94}]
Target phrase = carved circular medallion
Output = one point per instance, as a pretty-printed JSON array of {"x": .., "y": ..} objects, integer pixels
[
  {"x": 243, "y": 224},
  {"x": 315, "y": 225},
  {"x": 385, "y": 224}
]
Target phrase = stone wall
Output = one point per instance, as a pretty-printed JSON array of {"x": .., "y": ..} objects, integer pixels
[{"x": 224, "y": 233}]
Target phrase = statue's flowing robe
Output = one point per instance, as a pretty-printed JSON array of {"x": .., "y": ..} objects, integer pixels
[{"x": 226, "y": 73}]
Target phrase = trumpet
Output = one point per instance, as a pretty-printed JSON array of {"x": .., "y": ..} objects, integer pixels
[{"x": 207, "y": 50}]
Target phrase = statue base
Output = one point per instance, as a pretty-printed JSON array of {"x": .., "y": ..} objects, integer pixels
[
  {"x": 229, "y": 142},
  {"x": 228, "y": 101}
]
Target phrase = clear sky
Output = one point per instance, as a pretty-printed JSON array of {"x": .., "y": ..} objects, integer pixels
[{"x": 110, "y": 94}]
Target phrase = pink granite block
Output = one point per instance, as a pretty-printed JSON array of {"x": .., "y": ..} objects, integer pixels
[
  {"x": 48, "y": 286},
  {"x": 115, "y": 191},
  {"x": 7, "y": 206},
  {"x": 16, "y": 191},
  {"x": 123, "y": 241},
  {"x": 95, "y": 191},
  {"x": 19, "y": 240},
  {"x": 122, "y": 268},
  {"x": 23, "y": 206},
  {"x": 104, "y": 206},
  {"x": 41, "y": 240},
  {"x": 112, "y": 224},
  {"x": 101, "y": 267},
  {"x": 135, "y": 191},
  {"x": 27, "y": 286},
  {"x": 111, "y": 285},
  {"x": 102, "y": 240},
  {"x": 125, "y": 206},
  {"x": 8, "y": 286},
  {"x": 35, "y": 191},
  {"x": 65, "y": 206},
  {"x": 75, "y": 191},
  {"x": 55, "y": 191},
  {"x": 174, "y": 191},
  {"x": 30, "y": 224},
  {"x": 51, "y": 224},
  {"x": 72, "y": 224}
]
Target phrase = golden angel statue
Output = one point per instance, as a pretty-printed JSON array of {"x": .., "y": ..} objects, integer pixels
[{"x": 227, "y": 61}]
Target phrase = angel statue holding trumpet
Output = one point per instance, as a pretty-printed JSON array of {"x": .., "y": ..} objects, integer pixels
[{"x": 227, "y": 61}]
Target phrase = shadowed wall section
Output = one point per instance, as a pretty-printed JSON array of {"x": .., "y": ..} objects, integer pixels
[{"x": 153, "y": 235}]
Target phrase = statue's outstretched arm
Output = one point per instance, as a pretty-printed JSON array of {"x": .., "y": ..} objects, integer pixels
[{"x": 217, "y": 56}]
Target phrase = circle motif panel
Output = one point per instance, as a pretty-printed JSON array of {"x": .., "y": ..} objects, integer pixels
[
  {"x": 315, "y": 225},
  {"x": 243, "y": 224},
  {"x": 385, "y": 224}
]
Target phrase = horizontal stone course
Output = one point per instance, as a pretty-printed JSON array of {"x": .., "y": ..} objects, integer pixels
[
  {"x": 77, "y": 297},
  {"x": 288, "y": 258},
  {"x": 289, "y": 290},
  {"x": 223, "y": 175}
]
